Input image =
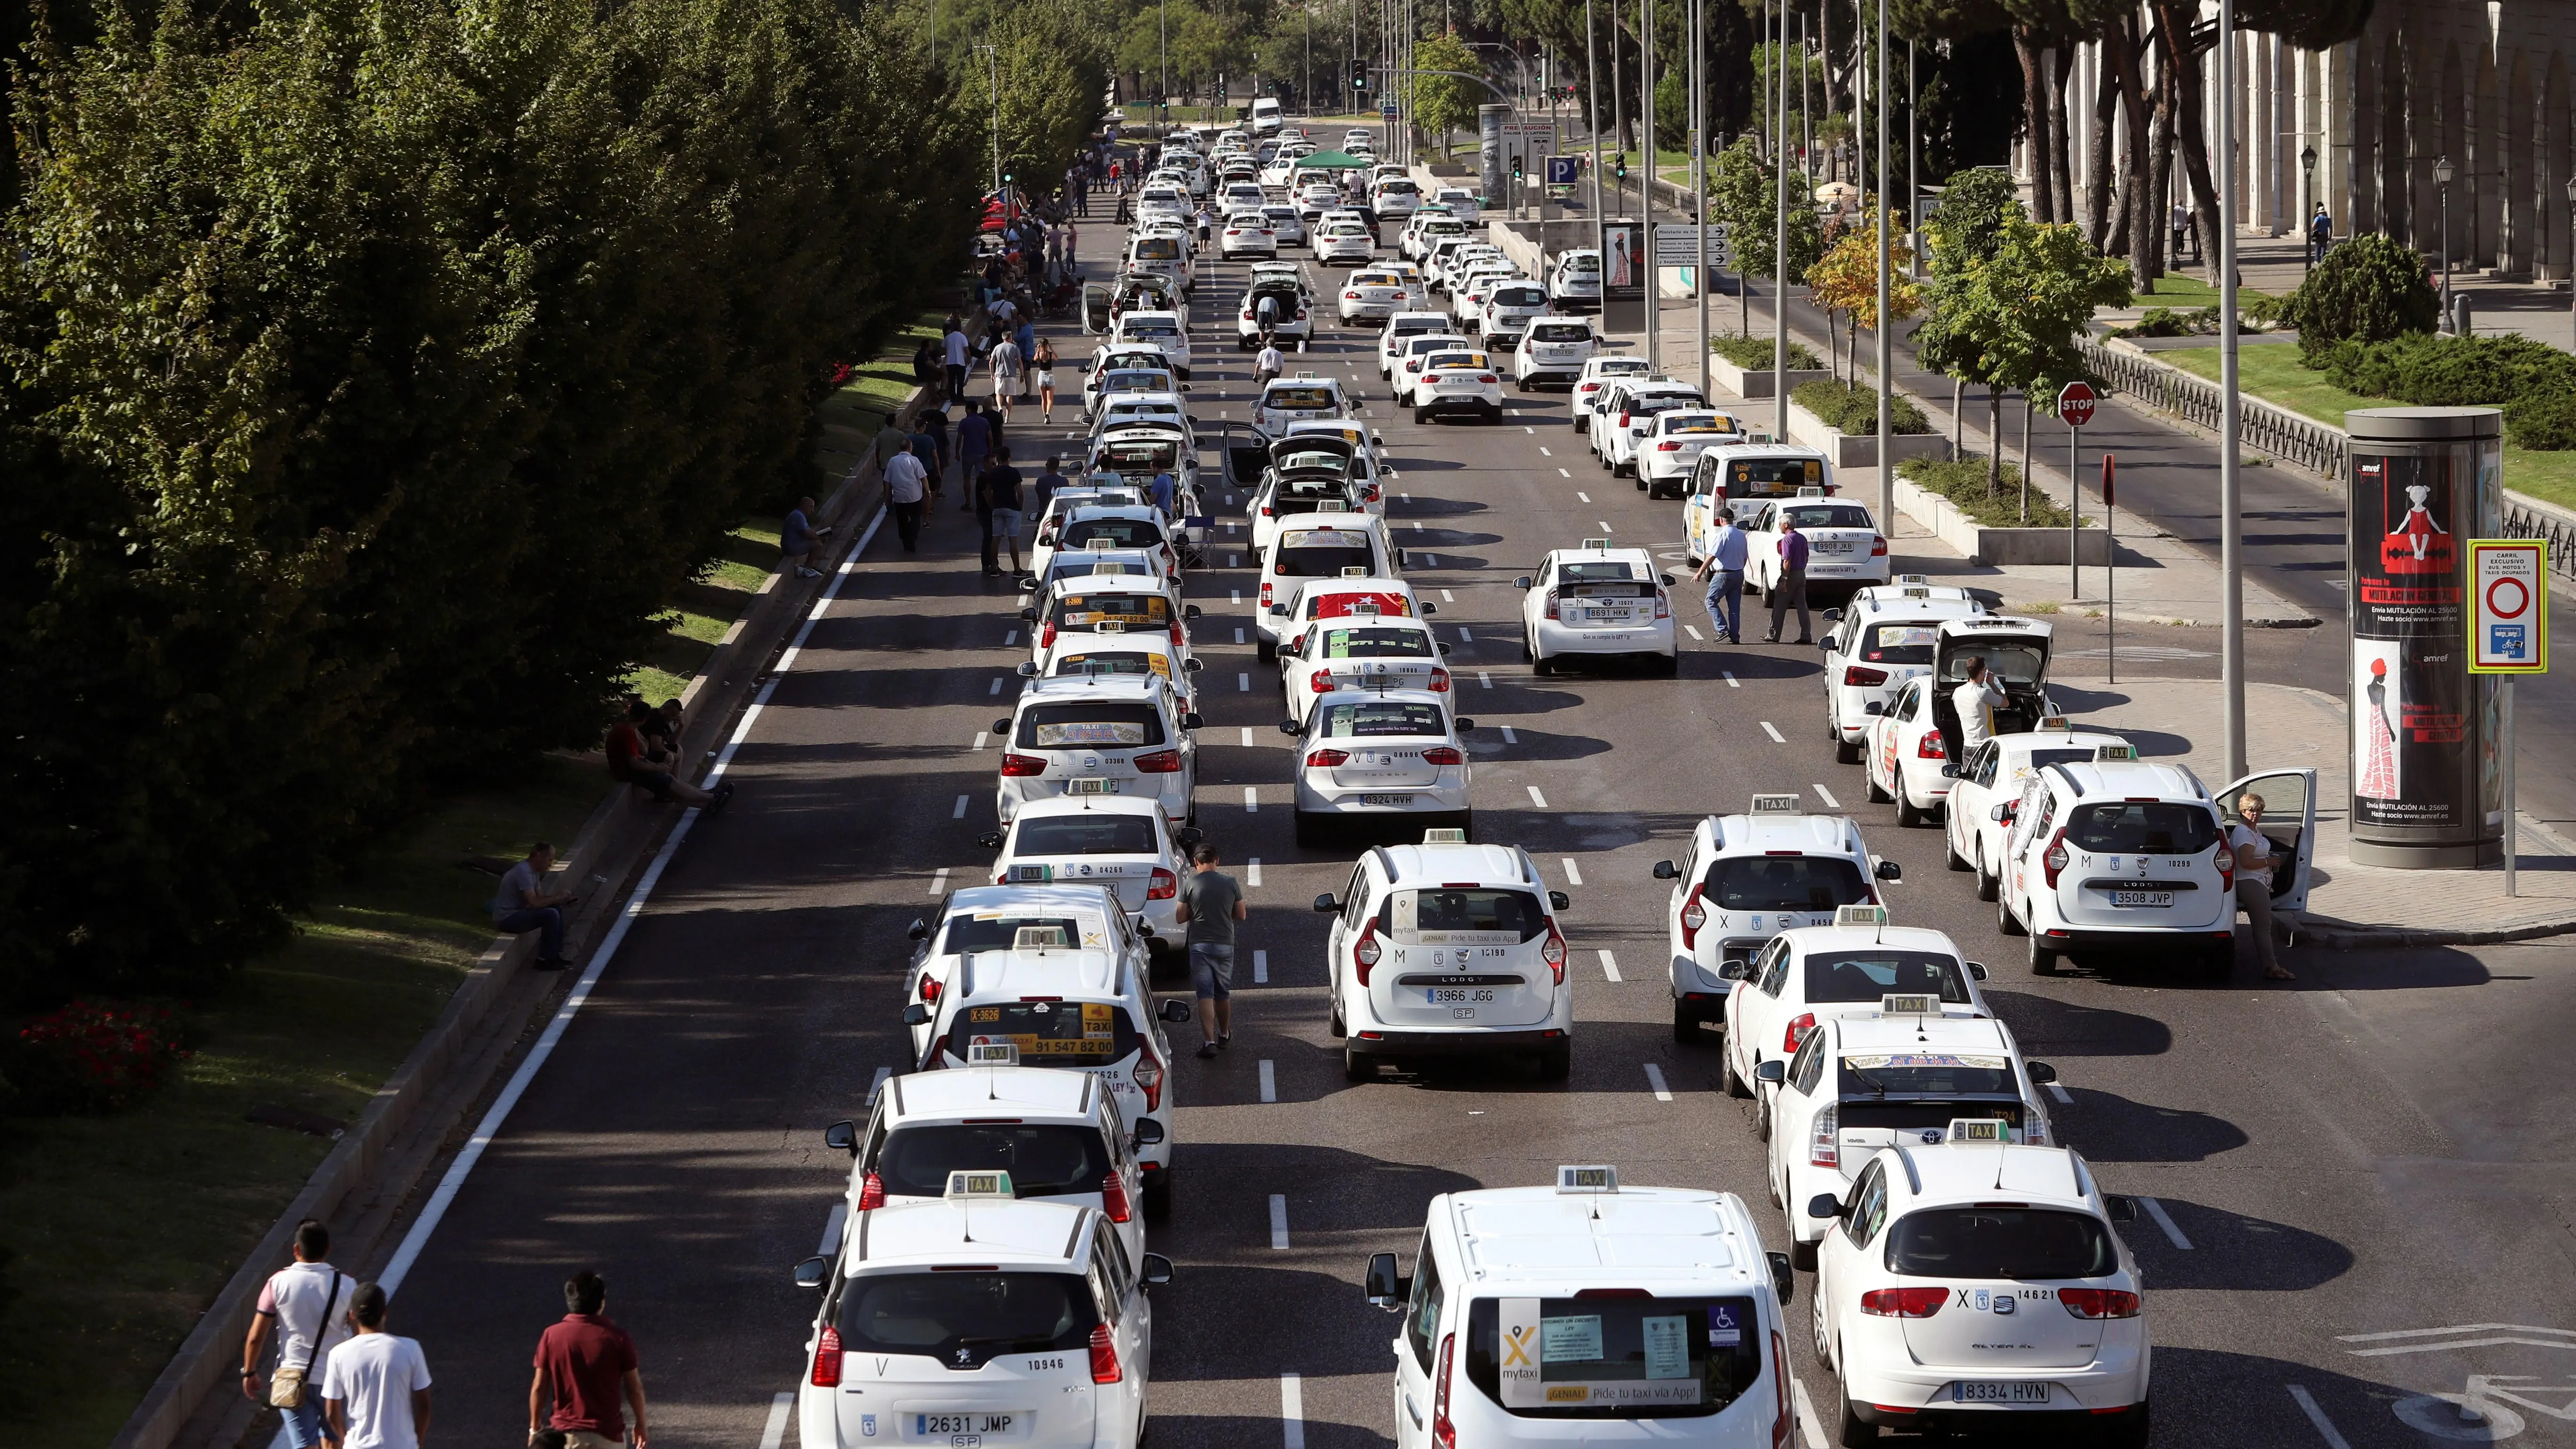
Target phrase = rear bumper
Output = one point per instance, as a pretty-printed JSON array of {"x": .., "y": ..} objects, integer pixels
[
  {"x": 1655, "y": 637},
  {"x": 1425, "y": 800},
  {"x": 1436, "y": 403},
  {"x": 2140, "y": 941},
  {"x": 1468, "y": 1042}
]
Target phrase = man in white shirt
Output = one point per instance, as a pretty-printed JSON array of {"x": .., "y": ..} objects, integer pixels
[
  {"x": 1265, "y": 366},
  {"x": 954, "y": 350},
  {"x": 907, "y": 483},
  {"x": 1974, "y": 702},
  {"x": 304, "y": 1303},
  {"x": 2254, "y": 865},
  {"x": 376, "y": 1389}
]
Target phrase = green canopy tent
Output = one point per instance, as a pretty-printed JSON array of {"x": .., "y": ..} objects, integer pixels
[{"x": 1331, "y": 161}]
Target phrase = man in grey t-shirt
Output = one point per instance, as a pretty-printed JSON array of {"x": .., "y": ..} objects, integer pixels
[{"x": 1210, "y": 903}]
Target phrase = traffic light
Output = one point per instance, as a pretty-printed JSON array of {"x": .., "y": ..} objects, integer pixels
[
  {"x": 1359, "y": 81},
  {"x": 1619, "y": 169},
  {"x": 1516, "y": 171},
  {"x": 1220, "y": 88}
]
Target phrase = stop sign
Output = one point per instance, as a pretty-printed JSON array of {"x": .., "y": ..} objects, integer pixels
[{"x": 2075, "y": 404}]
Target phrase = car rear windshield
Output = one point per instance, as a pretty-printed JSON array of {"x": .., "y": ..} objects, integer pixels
[
  {"x": 2012, "y": 663},
  {"x": 1583, "y": 263},
  {"x": 1420, "y": 326},
  {"x": 966, "y": 1319},
  {"x": 1520, "y": 296},
  {"x": 1904, "y": 644},
  {"x": 1377, "y": 279},
  {"x": 1454, "y": 359},
  {"x": 1055, "y": 1033},
  {"x": 1400, "y": 187},
  {"x": 1986, "y": 1242},
  {"x": 1300, "y": 559},
  {"x": 1614, "y": 1358},
  {"x": 1376, "y": 644},
  {"x": 1869, "y": 975},
  {"x": 1559, "y": 332},
  {"x": 1863, "y": 1108},
  {"x": 1312, "y": 460},
  {"x": 1827, "y": 515},
  {"x": 1659, "y": 402},
  {"x": 1619, "y": 367},
  {"x": 1090, "y": 833},
  {"x": 1157, "y": 248},
  {"x": 1929, "y": 1074},
  {"x": 1099, "y": 724},
  {"x": 1697, "y": 423},
  {"x": 1595, "y": 573},
  {"x": 2148, "y": 827},
  {"x": 1768, "y": 475},
  {"x": 1043, "y": 1158},
  {"x": 1081, "y": 611},
  {"x": 971, "y": 931},
  {"x": 1464, "y": 916},
  {"x": 1381, "y": 717},
  {"x": 1151, "y": 329},
  {"x": 1121, "y": 532},
  {"x": 1786, "y": 883},
  {"x": 1121, "y": 662},
  {"x": 1136, "y": 380},
  {"x": 1300, "y": 396}
]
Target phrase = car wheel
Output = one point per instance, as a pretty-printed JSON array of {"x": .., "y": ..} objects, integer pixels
[
  {"x": 1158, "y": 1196},
  {"x": 1988, "y": 883},
  {"x": 1557, "y": 1065},
  {"x": 1816, "y": 1332},
  {"x": 2004, "y": 922},
  {"x": 1846, "y": 752},
  {"x": 1761, "y": 1114},
  {"x": 2130, "y": 1430},
  {"x": 1267, "y": 653},
  {"x": 2043, "y": 961},
  {"x": 1668, "y": 666},
  {"x": 1542, "y": 667},
  {"x": 1310, "y": 831},
  {"x": 1422, "y": 415},
  {"x": 1358, "y": 1066},
  {"x": 1735, "y": 1085},
  {"x": 1336, "y": 1028},
  {"x": 1685, "y": 1025},
  {"x": 1521, "y": 382},
  {"x": 1642, "y": 486},
  {"x": 1852, "y": 1431},
  {"x": 1877, "y": 796},
  {"x": 1908, "y": 817}
]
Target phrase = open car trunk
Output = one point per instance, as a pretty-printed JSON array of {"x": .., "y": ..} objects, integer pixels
[{"x": 2016, "y": 652}]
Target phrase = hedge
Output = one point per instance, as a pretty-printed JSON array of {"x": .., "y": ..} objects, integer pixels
[
  {"x": 2535, "y": 384},
  {"x": 1760, "y": 352},
  {"x": 1855, "y": 409}
]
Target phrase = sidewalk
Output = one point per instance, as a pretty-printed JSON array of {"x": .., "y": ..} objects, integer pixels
[{"x": 2349, "y": 906}]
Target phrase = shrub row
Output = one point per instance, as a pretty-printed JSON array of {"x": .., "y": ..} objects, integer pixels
[
  {"x": 1852, "y": 409},
  {"x": 1759, "y": 352},
  {"x": 2535, "y": 384},
  {"x": 1963, "y": 481}
]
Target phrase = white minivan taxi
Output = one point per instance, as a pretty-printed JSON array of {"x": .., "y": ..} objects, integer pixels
[
  {"x": 1116, "y": 841},
  {"x": 1098, "y": 734},
  {"x": 1883, "y": 638},
  {"x": 1589, "y": 1313}
]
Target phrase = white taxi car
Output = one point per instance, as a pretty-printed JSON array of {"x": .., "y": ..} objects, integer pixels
[
  {"x": 1969, "y": 1286},
  {"x": 1287, "y": 494},
  {"x": 1575, "y": 283},
  {"x": 1247, "y": 233},
  {"x": 1597, "y": 375},
  {"x": 1905, "y": 754},
  {"x": 1865, "y": 1081},
  {"x": 1847, "y": 969},
  {"x": 1297, "y": 399},
  {"x": 1317, "y": 546},
  {"x": 1117, "y": 381},
  {"x": 1425, "y": 229},
  {"x": 1553, "y": 349},
  {"x": 1597, "y": 601},
  {"x": 1629, "y": 409},
  {"x": 1992, "y": 778},
  {"x": 1344, "y": 243},
  {"x": 1448, "y": 949},
  {"x": 1168, "y": 331},
  {"x": 1292, "y": 311},
  {"x": 1405, "y": 326},
  {"x": 1508, "y": 309},
  {"x": 1357, "y": 649},
  {"x": 1657, "y": 1315},
  {"x": 1372, "y": 295},
  {"x": 1412, "y": 353},
  {"x": 1469, "y": 292},
  {"x": 1455, "y": 382},
  {"x": 1844, "y": 547},
  {"x": 1081, "y": 609},
  {"x": 1887, "y": 635},
  {"x": 1739, "y": 478},
  {"x": 1310, "y": 601},
  {"x": 1143, "y": 655},
  {"x": 1286, "y": 227},
  {"x": 1670, "y": 448},
  {"x": 1378, "y": 757},
  {"x": 980, "y": 920},
  {"x": 1464, "y": 204},
  {"x": 1164, "y": 255},
  {"x": 1098, "y": 734},
  {"x": 1118, "y": 842},
  {"x": 1058, "y": 1135},
  {"x": 1047, "y": 1341},
  {"x": 1394, "y": 198}
]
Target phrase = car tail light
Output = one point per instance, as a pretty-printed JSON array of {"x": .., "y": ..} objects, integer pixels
[
  {"x": 2226, "y": 874},
  {"x": 1551, "y": 603},
  {"x": 1487, "y": 378},
  {"x": 1824, "y": 1141},
  {"x": 1799, "y": 1025},
  {"x": 1553, "y": 953},
  {"x": 1160, "y": 762},
  {"x": 1854, "y": 674},
  {"x": 1020, "y": 766},
  {"x": 1104, "y": 1356},
  {"x": 929, "y": 987},
  {"x": 1784, "y": 1420},
  {"x": 1429, "y": 377},
  {"x": 1325, "y": 759},
  {"x": 1623, "y": 419},
  {"x": 1439, "y": 681},
  {"x": 1877, "y": 546},
  {"x": 1930, "y": 747},
  {"x": 1365, "y": 955},
  {"x": 1046, "y": 636},
  {"x": 1350, "y": 296},
  {"x": 1443, "y": 755},
  {"x": 1265, "y": 593},
  {"x": 1903, "y": 1302},
  {"x": 827, "y": 1360},
  {"x": 872, "y": 1192},
  {"x": 1149, "y": 1077},
  {"x": 2099, "y": 1302},
  {"x": 1113, "y": 1198},
  {"x": 1178, "y": 636},
  {"x": 1668, "y": 447},
  {"x": 2055, "y": 859},
  {"x": 1663, "y": 605},
  {"x": 1320, "y": 682},
  {"x": 1694, "y": 916},
  {"x": 1443, "y": 1432},
  {"x": 1164, "y": 885}
]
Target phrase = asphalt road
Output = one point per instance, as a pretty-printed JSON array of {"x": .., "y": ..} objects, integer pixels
[{"x": 2381, "y": 1149}]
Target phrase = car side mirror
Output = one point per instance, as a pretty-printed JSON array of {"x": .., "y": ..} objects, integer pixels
[
  {"x": 2002, "y": 814},
  {"x": 1735, "y": 970},
  {"x": 1028, "y": 671},
  {"x": 1194, "y": 665},
  {"x": 1325, "y": 905},
  {"x": 1428, "y": 609},
  {"x": 1826, "y": 644},
  {"x": 1191, "y": 720},
  {"x": 2122, "y": 1207},
  {"x": 813, "y": 1273},
  {"x": 1029, "y": 615},
  {"x": 1028, "y": 583},
  {"x": 1522, "y": 582},
  {"x": 1824, "y": 1205},
  {"x": 1888, "y": 870},
  {"x": 1874, "y": 707},
  {"x": 2041, "y": 1073},
  {"x": 1774, "y": 1071},
  {"x": 1279, "y": 609},
  {"x": 1175, "y": 1010},
  {"x": 1666, "y": 870},
  {"x": 1002, "y": 726},
  {"x": 1386, "y": 1288},
  {"x": 917, "y": 931},
  {"x": 1157, "y": 1271},
  {"x": 1189, "y": 611},
  {"x": 1464, "y": 725},
  {"x": 1559, "y": 900},
  {"x": 990, "y": 840},
  {"x": 1188, "y": 837},
  {"x": 1147, "y": 1133},
  {"x": 1976, "y": 970},
  {"x": 1143, "y": 927},
  {"x": 917, "y": 1014},
  {"x": 1665, "y": 579},
  {"x": 1784, "y": 1277},
  {"x": 842, "y": 1137},
  {"x": 1833, "y": 616}
]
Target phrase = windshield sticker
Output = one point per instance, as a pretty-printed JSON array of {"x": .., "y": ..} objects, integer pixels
[
  {"x": 1907, "y": 636},
  {"x": 1878, "y": 1060},
  {"x": 1667, "y": 1343},
  {"x": 1114, "y": 733},
  {"x": 1570, "y": 1340}
]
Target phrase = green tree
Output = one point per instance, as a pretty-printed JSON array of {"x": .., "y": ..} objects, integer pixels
[
  {"x": 1744, "y": 196},
  {"x": 1446, "y": 103},
  {"x": 2012, "y": 319},
  {"x": 2368, "y": 289}
]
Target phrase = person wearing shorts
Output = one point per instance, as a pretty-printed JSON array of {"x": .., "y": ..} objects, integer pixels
[
  {"x": 1210, "y": 903},
  {"x": 1045, "y": 369}
]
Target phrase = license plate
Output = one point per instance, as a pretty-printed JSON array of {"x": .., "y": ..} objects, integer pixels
[
  {"x": 1444, "y": 995},
  {"x": 1969, "y": 1392},
  {"x": 1386, "y": 799},
  {"x": 1091, "y": 785},
  {"x": 1833, "y": 546},
  {"x": 2142, "y": 898},
  {"x": 974, "y": 1426}
]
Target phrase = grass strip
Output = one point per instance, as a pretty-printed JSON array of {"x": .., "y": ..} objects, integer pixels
[{"x": 1963, "y": 482}]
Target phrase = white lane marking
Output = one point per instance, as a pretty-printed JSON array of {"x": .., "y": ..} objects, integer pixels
[
  {"x": 877, "y": 1084},
  {"x": 1237, "y": 596},
  {"x": 832, "y": 1225},
  {"x": 1484, "y": 680},
  {"x": 1251, "y": 801},
  {"x": 1447, "y": 597},
  {"x": 960, "y": 812},
  {"x": 1827, "y": 796},
  {"x": 1260, "y": 968},
  {"x": 1543, "y": 452},
  {"x": 1510, "y": 738},
  {"x": 1610, "y": 966},
  {"x": 939, "y": 881},
  {"x": 1526, "y": 428},
  {"x": 996, "y": 689},
  {"x": 1561, "y": 473},
  {"x": 1237, "y": 560},
  {"x": 1292, "y": 1413},
  {"x": 1247, "y": 737},
  {"x": 773, "y": 1433},
  {"x": 1730, "y": 679},
  {"x": 1605, "y": 525},
  {"x": 2317, "y": 1416},
  {"x": 1655, "y": 1079},
  {"x": 1573, "y": 873},
  {"x": 1278, "y": 1221},
  {"x": 1238, "y": 634},
  {"x": 1810, "y": 1428},
  {"x": 1252, "y": 873},
  {"x": 1429, "y": 560},
  {"x": 1269, "y": 1082},
  {"x": 2165, "y": 1221},
  {"x": 1536, "y": 798},
  {"x": 1773, "y": 733},
  {"x": 1011, "y": 638},
  {"x": 2064, "y": 1097},
  {"x": 1692, "y": 630},
  {"x": 980, "y": 736},
  {"x": 1584, "y": 497},
  {"x": 1466, "y": 635},
  {"x": 1243, "y": 684}
]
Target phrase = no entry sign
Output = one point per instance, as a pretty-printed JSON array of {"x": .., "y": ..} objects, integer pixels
[
  {"x": 2075, "y": 404},
  {"x": 2509, "y": 606}
]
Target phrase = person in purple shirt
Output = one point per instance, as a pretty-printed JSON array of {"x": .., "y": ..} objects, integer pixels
[{"x": 1791, "y": 587}]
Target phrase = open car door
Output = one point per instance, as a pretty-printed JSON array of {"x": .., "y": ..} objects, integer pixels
[
  {"x": 1095, "y": 308},
  {"x": 2289, "y": 822},
  {"x": 1246, "y": 453}
]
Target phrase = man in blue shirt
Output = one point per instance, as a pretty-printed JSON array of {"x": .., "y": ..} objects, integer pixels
[
  {"x": 974, "y": 444},
  {"x": 1047, "y": 482},
  {"x": 1724, "y": 570},
  {"x": 1163, "y": 494}
]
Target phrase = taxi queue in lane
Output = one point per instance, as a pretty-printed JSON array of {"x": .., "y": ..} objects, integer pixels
[{"x": 1970, "y": 1271}]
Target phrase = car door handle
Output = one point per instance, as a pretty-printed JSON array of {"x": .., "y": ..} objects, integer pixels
[{"x": 1413, "y": 1409}]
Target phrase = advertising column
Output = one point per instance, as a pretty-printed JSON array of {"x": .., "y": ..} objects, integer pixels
[
  {"x": 1489, "y": 159},
  {"x": 2425, "y": 790}
]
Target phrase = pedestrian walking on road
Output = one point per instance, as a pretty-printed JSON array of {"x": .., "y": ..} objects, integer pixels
[
  {"x": 1042, "y": 491},
  {"x": 376, "y": 1389},
  {"x": 930, "y": 445},
  {"x": 1789, "y": 588},
  {"x": 974, "y": 445},
  {"x": 1724, "y": 570},
  {"x": 1044, "y": 361},
  {"x": 1026, "y": 335},
  {"x": 955, "y": 342},
  {"x": 2255, "y": 863},
  {"x": 587, "y": 1365},
  {"x": 997, "y": 500},
  {"x": 524, "y": 904},
  {"x": 1211, "y": 902},
  {"x": 302, "y": 1303},
  {"x": 907, "y": 490},
  {"x": 1007, "y": 367}
]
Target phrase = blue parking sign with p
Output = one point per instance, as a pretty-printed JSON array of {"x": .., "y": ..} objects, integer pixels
[{"x": 1561, "y": 170}]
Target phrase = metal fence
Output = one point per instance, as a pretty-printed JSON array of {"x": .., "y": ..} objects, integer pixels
[
  {"x": 2312, "y": 445},
  {"x": 2558, "y": 533}
]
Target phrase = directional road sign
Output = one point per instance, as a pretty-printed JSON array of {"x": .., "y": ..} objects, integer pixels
[{"x": 1677, "y": 245}]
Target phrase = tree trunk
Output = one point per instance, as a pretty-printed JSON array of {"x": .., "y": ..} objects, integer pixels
[
  {"x": 2106, "y": 110},
  {"x": 2185, "y": 57},
  {"x": 1958, "y": 418},
  {"x": 1994, "y": 439},
  {"x": 2151, "y": 207},
  {"x": 2034, "y": 102},
  {"x": 2137, "y": 226},
  {"x": 2061, "y": 134}
]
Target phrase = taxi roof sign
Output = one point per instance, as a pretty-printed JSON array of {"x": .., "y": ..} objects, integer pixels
[
  {"x": 993, "y": 1054},
  {"x": 2108, "y": 754},
  {"x": 1908, "y": 1003},
  {"x": 1600, "y": 1178},
  {"x": 1980, "y": 1129},
  {"x": 1860, "y": 915},
  {"x": 1101, "y": 542},
  {"x": 964, "y": 1184},
  {"x": 1774, "y": 804},
  {"x": 1914, "y": 578},
  {"x": 1450, "y": 836},
  {"x": 1354, "y": 571},
  {"x": 1810, "y": 490},
  {"x": 1601, "y": 544},
  {"x": 2056, "y": 722}
]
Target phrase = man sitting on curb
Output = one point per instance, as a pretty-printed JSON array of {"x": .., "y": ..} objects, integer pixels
[
  {"x": 628, "y": 764},
  {"x": 524, "y": 904}
]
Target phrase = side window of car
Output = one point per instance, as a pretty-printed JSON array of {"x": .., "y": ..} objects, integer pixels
[
  {"x": 1774, "y": 967},
  {"x": 1988, "y": 757},
  {"x": 1104, "y": 1293},
  {"x": 1108, "y": 1251},
  {"x": 1355, "y": 908},
  {"x": 1422, "y": 1314},
  {"x": 1809, "y": 1065},
  {"x": 1872, "y": 1178}
]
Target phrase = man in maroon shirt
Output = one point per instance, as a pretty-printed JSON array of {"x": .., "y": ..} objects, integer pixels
[{"x": 588, "y": 1364}]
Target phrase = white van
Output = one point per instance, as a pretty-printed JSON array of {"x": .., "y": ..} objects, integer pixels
[
  {"x": 1589, "y": 1313},
  {"x": 1266, "y": 117}
]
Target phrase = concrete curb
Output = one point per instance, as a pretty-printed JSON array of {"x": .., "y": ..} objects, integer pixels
[
  {"x": 2344, "y": 937},
  {"x": 361, "y": 1186}
]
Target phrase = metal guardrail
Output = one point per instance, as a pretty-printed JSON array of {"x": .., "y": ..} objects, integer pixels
[{"x": 2558, "y": 533}]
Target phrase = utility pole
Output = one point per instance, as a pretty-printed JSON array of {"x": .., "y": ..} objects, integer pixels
[
  {"x": 1780, "y": 240},
  {"x": 1886, "y": 323},
  {"x": 1913, "y": 187},
  {"x": 1163, "y": 19},
  {"x": 1592, "y": 118},
  {"x": 1646, "y": 174},
  {"x": 1699, "y": 188},
  {"x": 993, "y": 57},
  {"x": 2231, "y": 503}
]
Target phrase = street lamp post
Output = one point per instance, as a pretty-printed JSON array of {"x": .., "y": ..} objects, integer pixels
[
  {"x": 2442, "y": 181},
  {"x": 1592, "y": 120},
  {"x": 993, "y": 59},
  {"x": 1699, "y": 193},
  {"x": 2231, "y": 502},
  {"x": 2308, "y": 204},
  {"x": 2571, "y": 255},
  {"x": 1646, "y": 177},
  {"x": 1780, "y": 234},
  {"x": 1886, "y": 324}
]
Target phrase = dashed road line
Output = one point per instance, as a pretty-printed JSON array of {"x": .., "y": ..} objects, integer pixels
[
  {"x": 1278, "y": 1222},
  {"x": 1536, "y": 798},
  {"x": 1773, "y": 733},
  {"x": 996, "y": 689},
  {"x": 1252, "y": 872},
  {"x": 2063, "y": 1096},
  {"x": 1237, "y": 596},
  {"x": 1730, "y": 679},
  {"x": 1251, "y": 801},
  {"x": 1466, "y": 635},
  {"x": 2317, "y": 1416},
  {"x": 2165, "y": 1221},
  {"x": 980, "y": 737},
  {"x": 1509, "y": 736},
  {"x": 1247, "y": 737},
  {"x": 832, "y": 1226},
  {"x": 939, "y": 881},
  {"x": 1292, "y": 1412},
  {"x": 1610, "y": 966},
  {"x": 1269, "y": 1082},
  {"x": 1543, "y": 452},
  {"x": 1691, "y": 630},
  {"x": 1561, "y": 473},
  {"x": 1655, "y": 1079},
  {"x": 1827, "y": 796},
  {"x": 1260, "y": 968},
  {"x": 1447, "y": 597},
  {"x": 774, "y": 1433},
  {"x": 1605, "y": 525},
  {"x": 1243, "y": 684},
  {"x": 1484, "y": 680},
  {"x": 1573, "y": 873},
  {"x": 1010, "y": 638},
  {"x": 1238, "y": 634},
  {"x": 1429, "y": 560},
  {"x": 1583, "y": 497},
  {"x": 960, "y": 812}
]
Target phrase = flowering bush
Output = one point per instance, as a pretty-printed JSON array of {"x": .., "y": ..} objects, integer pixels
[{"x": 95, "y": 1056}]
